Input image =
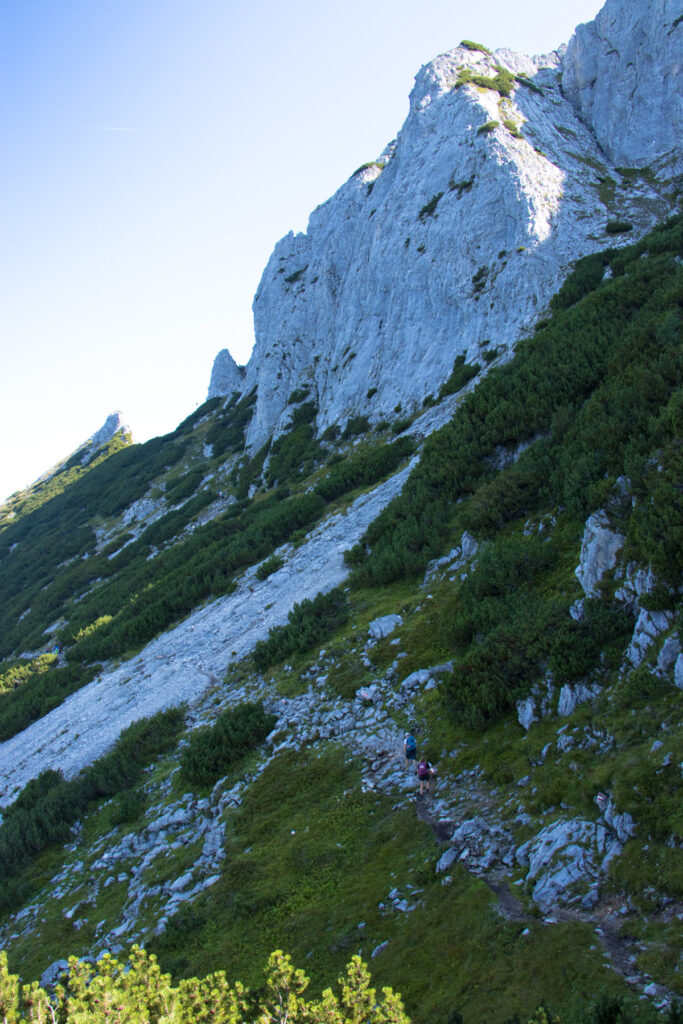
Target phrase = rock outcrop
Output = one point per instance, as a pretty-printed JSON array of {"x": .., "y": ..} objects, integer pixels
[
  {"x": 114, "y": 424},
  {"x": 453, "y": 241},
  {"x": 226, "y": 375}
]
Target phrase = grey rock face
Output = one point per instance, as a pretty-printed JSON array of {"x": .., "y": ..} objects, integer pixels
[
  {"x": 599, "y": 548},
  {"x": 624, "y": 76},
  {"x": 456, "y": 559},
  {"x": 538, "y": 704},
  {"x": 637, "y": 582},
  {"x": 526, "y": 712},
  {"x": 669, "y": 654},
  {"x": 226, "y": 375},
  {"x": 649, "y": 625},
  {"x": 571, "y": 696},
  {"x": 455, "y": 235},
  {"x": 622, "y": 823}
]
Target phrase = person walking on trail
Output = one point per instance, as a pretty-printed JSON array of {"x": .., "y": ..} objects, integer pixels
[
  {"x": 425, "y": 774},
  {"x": 409, "y": 749}
]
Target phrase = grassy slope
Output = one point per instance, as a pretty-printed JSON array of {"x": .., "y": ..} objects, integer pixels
[{"x": 310, "y": 856}]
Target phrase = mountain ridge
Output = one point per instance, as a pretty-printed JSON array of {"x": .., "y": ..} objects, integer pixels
[{"x": 499, "y": 567}]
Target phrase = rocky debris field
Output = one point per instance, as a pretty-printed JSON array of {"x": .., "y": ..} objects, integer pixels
[{"x": 559, "y": 868}]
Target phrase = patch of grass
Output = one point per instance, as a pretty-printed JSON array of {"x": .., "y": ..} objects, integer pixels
[
  {"x": 429, "y": 208},
  {"x": 469, "y": 45},
  {"x": 618, "y": 227},
  {"x": 513, "y": 128},
  {"x": 502, "y": 82},
  {"x": 296, "y": 275},
  {"x": 488, "y": 127},
  {"x": 268, "y": 567}
]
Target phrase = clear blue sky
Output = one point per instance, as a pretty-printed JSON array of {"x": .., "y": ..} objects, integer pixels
[{"x": 153, "y": 153}]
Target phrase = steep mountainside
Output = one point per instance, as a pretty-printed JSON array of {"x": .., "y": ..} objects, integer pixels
[
  {"x": 464, "y": 519},
  {"x": 506, "y": 169}
]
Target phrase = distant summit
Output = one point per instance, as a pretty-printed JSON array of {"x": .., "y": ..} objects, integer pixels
[{"x": 113, "y": 424}]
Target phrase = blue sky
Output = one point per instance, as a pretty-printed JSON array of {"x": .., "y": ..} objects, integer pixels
[{"x": 153, "y": 153}]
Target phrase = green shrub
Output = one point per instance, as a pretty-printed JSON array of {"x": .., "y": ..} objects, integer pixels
[
  {"x": 214, "y": 749},
  {"x": 513, "y": 128},
  {"x": 618, "y": 227},
  {"x": 460, "y": 375},
  {"x": 296, "y": 276},
  {"x": 227, "y": 432},
  {"x": 488, "y": 127},
  {"x": 479, "y": 280},
  {"x": 502, "y": 82},
  {"x": 429, "y": 208},
  {"x": 356, "y": 425},
  {"x": 469, "y": 45},
  {"x": 268, "y": 567},
  {"x": 185, "y": 485},
  {"x": 298, "y": 396},
  {"x": 364, "y": 468},
  {"x": 308, "y": 623}
]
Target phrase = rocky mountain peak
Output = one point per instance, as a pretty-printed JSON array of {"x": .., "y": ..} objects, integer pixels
[
  {"x": 114, "y": 424},
  {"x": 451, "y": 243}
]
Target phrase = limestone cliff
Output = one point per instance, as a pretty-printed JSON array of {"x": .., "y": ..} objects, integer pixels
[
  {"x": 623, "y": 74},
  {"x": 453, "y": 241}
]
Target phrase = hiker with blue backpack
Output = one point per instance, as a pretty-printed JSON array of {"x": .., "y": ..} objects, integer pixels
[{"x": 409, "y": 749}]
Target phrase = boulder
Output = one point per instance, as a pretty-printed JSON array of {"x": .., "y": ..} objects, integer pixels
[
  {"x": 668, "y": 655},
  {"x": 565, "y": 859},
  {"x": 571, "y": 696},
  {"x": 446, "y": 859},
  {"x": 383, "y": 626},
  {"x": 52, "y": 974}
]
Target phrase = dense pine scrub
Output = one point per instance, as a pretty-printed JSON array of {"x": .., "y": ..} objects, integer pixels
[
  {"x": 107, "y": 603},
  {"x": 215, "y": 748},
  {"x": 595, "y": 394},
  {"x": 309, "y": 623},
  {"x": 364, "y": 468},
  {"x": 37, "y": 692}
]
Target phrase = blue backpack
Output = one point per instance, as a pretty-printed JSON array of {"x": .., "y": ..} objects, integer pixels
[{"x": 411, "y": 746}]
